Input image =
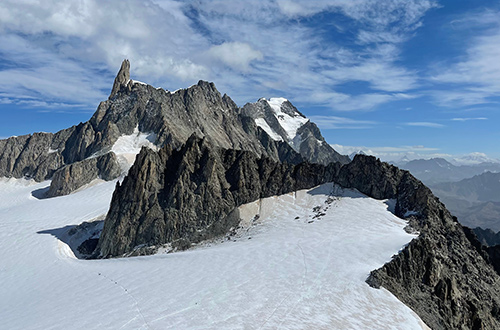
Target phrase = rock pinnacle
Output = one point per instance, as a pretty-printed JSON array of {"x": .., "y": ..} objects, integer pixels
[{"x": 122, "y": 78}]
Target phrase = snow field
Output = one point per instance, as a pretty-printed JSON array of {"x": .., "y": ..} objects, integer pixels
[{"x": 278, "y": 273}]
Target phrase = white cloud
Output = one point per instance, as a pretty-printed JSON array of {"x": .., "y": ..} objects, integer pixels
[
  {"x": 394, "y": 154},
  {"x": 237, "y": 55},
  {"x": 468, "y": 119},
  {"x": 424, "y": 124},
  {"x": 249, "y": 49},
  {"x": 361, "y": 102},
  {"x": 381, "y": 75},
  {"x": 474, "y": 76}
]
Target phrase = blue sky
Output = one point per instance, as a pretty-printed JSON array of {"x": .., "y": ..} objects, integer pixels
[{"x": 392, "y": 77}]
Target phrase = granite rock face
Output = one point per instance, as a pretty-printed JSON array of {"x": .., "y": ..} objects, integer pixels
[
  {"x": 171, "y": 116},
  {"x": 71, "y": 177},
  {"x": 192, "y": 194},
  {"x": 441, "y": 275},
  {"x": 122, "y": 78},
  {"x": 35, "y": 156}
]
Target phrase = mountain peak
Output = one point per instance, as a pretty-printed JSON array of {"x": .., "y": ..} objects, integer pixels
[{"x": 122, "y": 78}]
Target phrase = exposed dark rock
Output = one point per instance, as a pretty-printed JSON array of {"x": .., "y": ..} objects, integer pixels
[
  {"x": 172, "y": 117},
  {"x": 74, "y": 176},
  {"x": 494, "y": 254},
  {"x": 314, "y": 147},
  {"x": 122, "y": 78},
  {"x": 34, "y": 156},
  {"x": 193, "y": 193},
  {"x": 441, "y": 275},
  {"x": 88, "y": 246}
]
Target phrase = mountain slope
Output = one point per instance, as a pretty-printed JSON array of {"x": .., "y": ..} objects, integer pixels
[
  {"x": 170, "y": 117},
  {"x": 475, "y": 201},
  {"x": 283, "y": 122},
  {"x": 480, "y": 188},
  {"x": 438, "y": 170}
]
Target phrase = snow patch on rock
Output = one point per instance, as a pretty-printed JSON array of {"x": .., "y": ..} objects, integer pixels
[
  {"x": 128, "y": 146},
  {"x": 262, "y": 123},
  {"x": 289, "y": 122}
]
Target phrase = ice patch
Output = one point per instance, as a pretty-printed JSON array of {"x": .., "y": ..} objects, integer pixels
[
  {"x": 138, "y": 82},
  {"x": 128, "y": 146},
  {"x": 262, "y": 123}
]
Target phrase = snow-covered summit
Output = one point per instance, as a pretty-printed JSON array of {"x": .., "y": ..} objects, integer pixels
[
  {"x": 283, "y": 122},
  {"x": 288, "y": 117}
]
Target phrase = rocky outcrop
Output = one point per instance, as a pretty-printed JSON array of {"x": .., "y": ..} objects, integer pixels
[
  {"x": 122, "y": 78},
  {"x": 192, "y": 194},
  {"x": 71, "y": 177},
  {"x": 35, "y": 156},
  {"x": 441, "y": 275}
]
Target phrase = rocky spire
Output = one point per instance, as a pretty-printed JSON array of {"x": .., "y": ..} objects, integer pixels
[{"x": 122, "y": 78}]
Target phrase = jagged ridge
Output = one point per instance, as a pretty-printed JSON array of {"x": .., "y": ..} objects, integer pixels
[
  {"x": 441, "y": 275},
  {"x": 172, "y": 117},
  {"x": 192, "y": 194}
]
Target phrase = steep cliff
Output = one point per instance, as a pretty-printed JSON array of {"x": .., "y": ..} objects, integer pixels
[
  {"x": 172, "y": 117},
  {"x": 192, "y": 194}
]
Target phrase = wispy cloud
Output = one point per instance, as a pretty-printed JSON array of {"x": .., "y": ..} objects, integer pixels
[
  {"x": 474, "y": 75},
  {"x": 468, "y": 119},
  {"x": 424, "y": 124},
  {"x": 249, "y": 49},
  {"x": 333, "y": 122}
]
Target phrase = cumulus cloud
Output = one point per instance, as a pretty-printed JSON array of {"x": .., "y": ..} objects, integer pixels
[{"x": 237, "y": 55}]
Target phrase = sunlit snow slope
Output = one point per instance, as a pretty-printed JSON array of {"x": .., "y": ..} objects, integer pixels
[{"x": 280, "y": 272}]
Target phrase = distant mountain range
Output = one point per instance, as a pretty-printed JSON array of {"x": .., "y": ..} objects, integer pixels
[
  {"x": 475, "y": 201},
  {"x": 470, "y": 192},
  {"x": 438, "y": 170}
]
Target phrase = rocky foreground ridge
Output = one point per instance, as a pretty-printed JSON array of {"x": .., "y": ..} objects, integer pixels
[
  {"x": 171, "y": 117},
  {"x": 192, "y": 193}
]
